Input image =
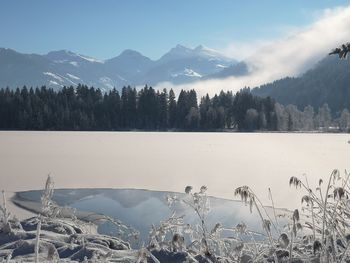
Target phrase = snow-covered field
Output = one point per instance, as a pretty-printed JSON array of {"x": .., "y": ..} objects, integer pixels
[{"x": 170, "y": 161}]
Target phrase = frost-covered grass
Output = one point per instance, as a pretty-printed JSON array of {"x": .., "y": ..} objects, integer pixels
[
  {"x": 49, "y": 237},
  {"x": 318, "y": 231}
]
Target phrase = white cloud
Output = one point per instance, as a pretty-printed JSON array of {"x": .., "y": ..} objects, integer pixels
[
  {"x": 290, "y": 55},
  {"x": 242, "y": 50}
]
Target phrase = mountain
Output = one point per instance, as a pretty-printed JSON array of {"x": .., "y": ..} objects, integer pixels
[
  {"x": 129, "y": 67},
  {"x": 183, "y": 65},
  {"x": 182, "y": 52},
  {"x": 66, "y": 56},
  {"x": 64, "y": 68},
  {"x": 328, "y": 82},
  {"x": 16, "y": 67},
  {"x": 68, "y": 68}
]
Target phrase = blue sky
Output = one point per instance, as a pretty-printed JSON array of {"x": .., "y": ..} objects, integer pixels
[{"x": 104, "y": 28}]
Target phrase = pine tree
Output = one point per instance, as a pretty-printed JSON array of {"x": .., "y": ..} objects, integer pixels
[{"x": 172, "y": 109}]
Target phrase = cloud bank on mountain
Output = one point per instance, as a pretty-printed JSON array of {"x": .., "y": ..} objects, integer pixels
[{"x": 290, "y": 55}]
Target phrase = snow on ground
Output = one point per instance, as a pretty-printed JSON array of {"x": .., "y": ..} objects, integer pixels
[{"x": 60, "y": 239}]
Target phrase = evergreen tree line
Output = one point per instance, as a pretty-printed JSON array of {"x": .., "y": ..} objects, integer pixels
[{"x": 87, "y": 108}]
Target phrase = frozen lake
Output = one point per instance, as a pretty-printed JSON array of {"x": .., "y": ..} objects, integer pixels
[{"x": 170, "y": 161}]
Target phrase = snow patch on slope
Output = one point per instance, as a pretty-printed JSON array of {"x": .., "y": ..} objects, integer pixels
[
  {"x": 53, "y": 75},
  {"x": 93, "y": 60},
  {"x": 187, "y": 72},
  {"x": 191, "y": 73},
  {"x": 74, "y": 63},
  {"x": 73, "y": 77},
  {"x": 221, "y": 66},
  {"x": 52, "y": 82},
  {"x": 60, "y": 78}
]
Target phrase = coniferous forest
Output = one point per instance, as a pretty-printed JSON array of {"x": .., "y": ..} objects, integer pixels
[{"x": 87, "y": 108}]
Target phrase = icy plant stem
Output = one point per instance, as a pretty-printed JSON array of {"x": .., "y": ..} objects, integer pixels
[
  {"x": 291, "y": 242},
  {"x": 337, "y": 203},
  {"x": 274, "y": 210},
  {"x": 37, "y": 242},
  {"x": 5, "y": 207},
  {"x": 204, "y": 231},
  {"x": 253, "y": 242},
  {"x": 245, "y": 193},
  {"x": 344, "y": 253},
  {"x": 266, "y": 213},
  {"x": 312, "y": 210},
  {"x": 8, "y": 258},
  {"x": 325, "y": 207},
  {"x": 291, "y": 248},
  {"x": 262, "y": 220},
  {"x": 203, "y": 227},
  {"x": 313, "y": 221}
]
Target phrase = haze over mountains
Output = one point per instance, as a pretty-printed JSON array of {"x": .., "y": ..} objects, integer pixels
[
  {"x": 327, "y": 82},
  {"x": 64, "y": 68}
]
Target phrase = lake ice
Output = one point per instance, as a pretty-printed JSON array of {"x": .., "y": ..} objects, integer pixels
[{"x": 170, "y": 161}]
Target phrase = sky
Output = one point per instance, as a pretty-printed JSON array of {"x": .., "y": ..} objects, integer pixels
[{"x": 104, "y": 28}]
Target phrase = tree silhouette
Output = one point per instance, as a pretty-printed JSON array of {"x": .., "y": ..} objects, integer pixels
[{"x": 342, "y": 51}]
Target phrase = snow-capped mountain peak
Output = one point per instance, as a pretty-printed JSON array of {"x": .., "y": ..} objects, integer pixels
[
  {"x": 177, "y": 52},
  {"x": 64, "y": 68},
  {"x": 90, "y": 59},
  {"x": 62, "y": 56},
  {"x": 183, "y": 52},
  {"x": 209, "y": 52}
]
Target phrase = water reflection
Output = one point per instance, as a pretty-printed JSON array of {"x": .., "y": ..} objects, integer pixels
[{"x": 142, "y": 208}]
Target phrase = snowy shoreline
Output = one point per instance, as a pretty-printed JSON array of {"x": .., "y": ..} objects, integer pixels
[{"x": 58, "y": 233}]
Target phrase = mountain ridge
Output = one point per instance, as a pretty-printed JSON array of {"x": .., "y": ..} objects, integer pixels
[{"x": 63, "y": 68}]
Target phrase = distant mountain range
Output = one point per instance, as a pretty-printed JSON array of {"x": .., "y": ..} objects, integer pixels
[
  {"x": 64, "y": 68},
  {"x": 327, "y": 82}
]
